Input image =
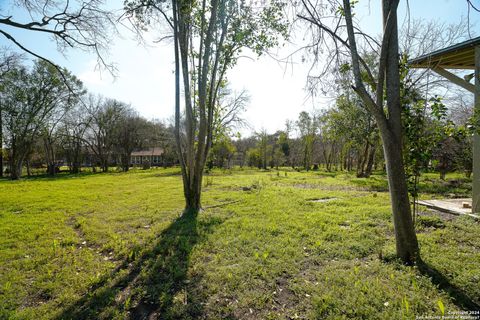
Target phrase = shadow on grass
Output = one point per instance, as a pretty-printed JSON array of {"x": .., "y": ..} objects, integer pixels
[
  {"x": 379, "y": 184},
  {"x": 460, "y": 298},
  {"x": 65, "y": 175},
  {"x": 155, "y": 284},
  {"x": 461, "y": 187},
  {"x": 170, "y": 173},
  {"x": 59, "y": 176}
]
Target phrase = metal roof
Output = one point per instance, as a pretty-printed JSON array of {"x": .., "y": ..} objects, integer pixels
[{"x": 458, "y": 56}]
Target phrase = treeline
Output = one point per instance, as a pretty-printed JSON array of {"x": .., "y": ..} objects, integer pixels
[
  {"x": 47, "y": 118},
  {"x": 345, "y": 137}
]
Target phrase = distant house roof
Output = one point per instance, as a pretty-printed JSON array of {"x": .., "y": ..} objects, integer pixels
[
  {"x": 156, "y": 151},
  {"x": 458, "y": 56}
]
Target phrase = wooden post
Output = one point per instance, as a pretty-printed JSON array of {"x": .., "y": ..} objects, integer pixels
[
  {"x": 455, "y": 79},
  {"x": 476, "y": 138}
]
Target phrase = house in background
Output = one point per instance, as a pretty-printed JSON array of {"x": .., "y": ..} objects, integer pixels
[{"x": 152, "y": 156}]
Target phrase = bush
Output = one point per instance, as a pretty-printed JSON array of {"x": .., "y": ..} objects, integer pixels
[
  {"x": 146, "y": 165},
  {"x": 431, "y": 222}
]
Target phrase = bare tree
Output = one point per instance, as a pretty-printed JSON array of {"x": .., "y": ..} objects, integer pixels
[
  {"x": 228, "y": 114},
  {"x": 72, "y": 133},
  {"x": 105, "y": 116},
  {"x": 130, "y": 134},
  {"x": 71, "y": 24},
  {"x": 65, "y": 102}
]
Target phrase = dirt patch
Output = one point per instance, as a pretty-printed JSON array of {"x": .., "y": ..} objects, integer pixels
[
  {"x": 144, "y": 311},
  {"x": 84, "y": 244},
  {"x": 443, "y": 215},
  {"x": 283, "y": 296},
  {"x": 320, "y": 200},
  {"x": 328, "y": 187},
  {"x": 283, "y": 306}
]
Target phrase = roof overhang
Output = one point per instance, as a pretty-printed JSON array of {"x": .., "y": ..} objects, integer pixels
[{"x": 458, "y": 56}]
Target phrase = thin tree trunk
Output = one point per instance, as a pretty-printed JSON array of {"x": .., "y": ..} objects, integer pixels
[
  {"x": 29, "y": 171},
  {"x": 391, "y": 127},
  {"x": 75, "y": 168},
  {"x": 371, "y": 159},
  {"x": 49, "y": 156},
  {"x": 365, "y": 158},
  {"x": 359, "y": 163},
  {"x": 178, "y": 140}
]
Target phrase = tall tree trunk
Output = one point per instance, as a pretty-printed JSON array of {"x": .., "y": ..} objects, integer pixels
[
  {"x": 75, "y": 168},
  {"x": 178, "y": 140},
  {"x": 125, "y": 161},
  {"x": 15, "y": 160},
  {"x": 359, "y": 163},
  {"x": 15, "y": 169},
  {"x": 49, "y": 156},
  {"x": 193, "y": 202},
  {"x": 29, "y": 168},
  {"x": 405, "y": 237},
  {"x": 363, "y": 163},
  {"x": 371, "y": 159},
  {"x": 390, "y": 126},
  {"x": 16, "y": 164}
]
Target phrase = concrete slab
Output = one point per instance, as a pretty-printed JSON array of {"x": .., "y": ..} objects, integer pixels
[{"x": 453, "y": 206}]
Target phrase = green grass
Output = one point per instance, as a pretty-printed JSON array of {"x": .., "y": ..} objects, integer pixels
[{"x": 114, "y": 246}]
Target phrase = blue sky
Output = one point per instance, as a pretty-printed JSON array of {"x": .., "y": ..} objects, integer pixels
[{"x": 145, "y": 74}]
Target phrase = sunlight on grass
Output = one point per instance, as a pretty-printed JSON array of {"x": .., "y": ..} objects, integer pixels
[{"x": 116, "y": 246}]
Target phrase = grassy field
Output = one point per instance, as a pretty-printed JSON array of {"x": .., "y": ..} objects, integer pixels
[{"x": 269, "y": 245}]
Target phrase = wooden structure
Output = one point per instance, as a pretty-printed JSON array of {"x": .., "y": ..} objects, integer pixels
[
  {"x": 462, "y": 56},
  {"x": 452, "y": 206}
]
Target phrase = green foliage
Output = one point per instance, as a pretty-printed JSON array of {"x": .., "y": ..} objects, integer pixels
[
  {"x": 254, "y": 158},
  {"x": 350, "y": 125},
  {"x": 427, "y": 133},
  {"x": 308, "y": 126},
  {"x": 430, "y": 222},
  {"x": 33, "y": 101},
  {"x": 222, "y": 151}
]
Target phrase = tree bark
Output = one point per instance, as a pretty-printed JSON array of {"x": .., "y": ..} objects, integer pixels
[
  {"x": 29, "y": 168},
  {"x": 371, "y": 159},
  {"x": 75, "y": 168},
  {"x": 178, "y": 140},
  {"x": 16, "y": 163},
  {"x": 390, "y": 125},
  {"x": 405, "y": 237},
  {"x": 363, "y": 162},
  {"x": 16, "y": 170},
  {"x": 49, "y": 156}
]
